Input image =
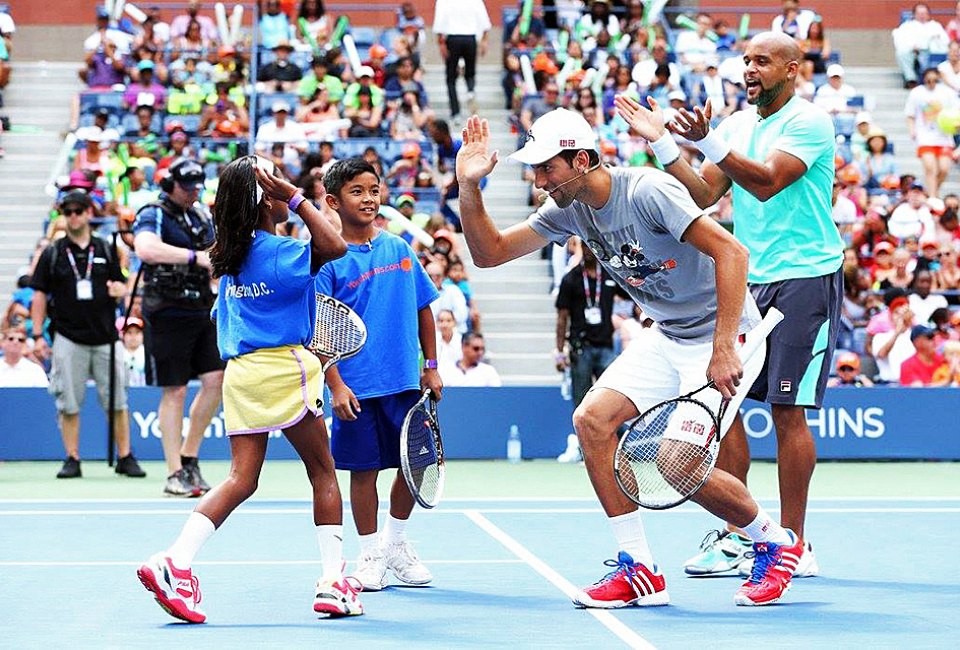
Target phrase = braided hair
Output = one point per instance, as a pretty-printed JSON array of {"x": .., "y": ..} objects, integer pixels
[{"x": 236, "y": 214}]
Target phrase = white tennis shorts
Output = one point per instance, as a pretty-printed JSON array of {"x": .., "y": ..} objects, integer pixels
[{"x": 655, "y": 368}]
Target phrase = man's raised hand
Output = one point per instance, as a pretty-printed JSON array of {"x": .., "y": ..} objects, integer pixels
[
  {"x": 474, "y": 160},
  {"x": 648, "y": 122}
]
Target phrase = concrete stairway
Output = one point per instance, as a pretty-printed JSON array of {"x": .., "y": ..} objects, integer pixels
[
  {"x": 886, "y": 97},
  {"x": 517, "y": 311},
  {"x": 38, "y": 100}
]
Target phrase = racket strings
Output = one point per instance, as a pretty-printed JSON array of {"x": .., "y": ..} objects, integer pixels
[
  {"x": 335, "y": 332},
  {"x": 667, "y": 455},
  {"x": 424, "y": 456}
]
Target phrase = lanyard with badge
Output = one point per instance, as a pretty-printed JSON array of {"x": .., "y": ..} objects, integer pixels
[
  {"x": 591, "y": 310},
  {"x": 84, "y": 283}
]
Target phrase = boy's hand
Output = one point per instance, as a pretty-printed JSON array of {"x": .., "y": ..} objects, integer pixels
[
  {"x": 430, "y": 378},
  {"x": 346, "y": 406}
]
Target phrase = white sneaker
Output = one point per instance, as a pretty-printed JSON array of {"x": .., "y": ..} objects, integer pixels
[
  {"x": 371, "y": 571},
  {"x": 807, "y": 567},
  {"x": 177, "y": 591},
  {"x": 572, "y": 453},
  {"x": 338, "y": 598},
  {"x": 403, "y": 561}
]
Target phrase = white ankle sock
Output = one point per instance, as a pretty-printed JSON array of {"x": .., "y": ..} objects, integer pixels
[
  {"x": 330, "y": 538},
  {"x": 630, "y": 536},
  {"x": 394, "y": 530},
  {"x": 764, "y": 529},
  {"x": 193, "y": 535},
  {"x": 369, "y": 542}
]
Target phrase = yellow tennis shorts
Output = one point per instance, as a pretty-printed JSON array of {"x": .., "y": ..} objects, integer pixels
[{"x": 270, "y": 389}]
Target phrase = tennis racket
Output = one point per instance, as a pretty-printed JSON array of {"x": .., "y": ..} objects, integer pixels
[
  {"x": 339, "y": 332},
  {"x": 670, "y": 450},
  {"x": 421, "y": 452}
]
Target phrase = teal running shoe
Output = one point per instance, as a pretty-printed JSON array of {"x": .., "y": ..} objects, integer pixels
[{"x": 720, "y": 552}]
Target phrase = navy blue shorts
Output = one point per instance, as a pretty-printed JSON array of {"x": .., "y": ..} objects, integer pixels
[
  {"x": 372, "y": 441},
  {"x": 800, "y": 349}
]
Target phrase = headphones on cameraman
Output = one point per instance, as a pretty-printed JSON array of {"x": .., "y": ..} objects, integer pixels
[{"x": 167, "y": 182}]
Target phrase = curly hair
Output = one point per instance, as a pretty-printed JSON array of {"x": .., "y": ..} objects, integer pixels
[{"x": 235, "y": 216}]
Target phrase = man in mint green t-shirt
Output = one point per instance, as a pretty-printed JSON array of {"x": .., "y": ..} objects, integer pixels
[{"x": 777, "y": 156}]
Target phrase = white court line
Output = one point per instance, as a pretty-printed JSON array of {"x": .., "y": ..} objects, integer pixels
[
  {"x": 448, "y": 511},
  {"x": 67, "y": 563},
  {"x": 608, "y": 620},
  {"x": 514, "y": 499}
]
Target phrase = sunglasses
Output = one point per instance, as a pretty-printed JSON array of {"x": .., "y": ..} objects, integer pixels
[
  {"x": 69, "y": 212},
  {"x": 477, "y": 348},
  {"x": 19, "y": 339},
  {"x": 846, "y": 368}
]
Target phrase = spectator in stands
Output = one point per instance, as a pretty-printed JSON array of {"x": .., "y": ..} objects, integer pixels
[
  {"x": 403, "y": 81},
  {"x": 949, "y": 373},
  {"x": 375, "y": 62},
  {"x": 693, "y": 46},
  {"x": 319, "y": 117},
  {"x": 410, "y": 164},
  {"x": 645, "y": 71},
  {"x": 194, "y": 42},
  {"x": 858, "y": 139},
  {"x": 78, "y": 282},
  {"x": 816, "y": 46},
  {"x": 274, "y": 24},
  {"x": 366, "y": 116},
  {"x": 181, "y": 23},
  {"x": 892, "y": 347},
  {"x": 914, "y": 40},
  {"x": 282, "y": 130},
  {"x": 947, "y": 275},
  {"x": 451, "y": 297},
  {"x": 449, "y": 341},
  {"x": 922, "y": 302},
  {"x": 950, "y": 69},
  {"x": 150, "y": 37},
  {"x": 844, "y": 210},
  {"x": 912, "y": 218},
  {"x": 848, "y": 372},
  {"x": 919, "y": 368},
  {"x": 93, "y": 157},
  {"x": 878, "y": 163},
  {"x": 364, "y": 82},
  {"x": 317, "y": 22},
  {"x": 470, "y": 370},
  {"x": 633, "y": 20},
  {"x": 459, "y": 25},
  {"x": 105, "y": 32},
  {"x": 7, "y": 30},
  {"x": 16, "y": 369},
  {"x": 804, "y": 85},
  {"x": 538, "y": 105},
  {"x": 934, "y": 147},
  {"x": 412, "y": 32},
  {"x": 145, "y": 91},
  {"x": 224, "y": 117},
  {"x": 409, "y": 118},
  {"x": 599, "y": 18},
  {"x": 320, "y": 74},
  {"x": 793, "y": 20},
  {"x": 280, "y": 75},
  {"x": 834, "y": 95},
  {"x": 105, "y": 67}
]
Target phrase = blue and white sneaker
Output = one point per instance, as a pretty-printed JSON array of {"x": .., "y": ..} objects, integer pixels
[{"x": 720, "y": 552}]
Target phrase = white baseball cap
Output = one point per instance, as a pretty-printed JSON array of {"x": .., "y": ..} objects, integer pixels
[
  {"x": 864, "y": 116},
  {"x": 554, "y": 132},
  {"x": 834, "y": 70},
  {"x": 364, "y": 71}
]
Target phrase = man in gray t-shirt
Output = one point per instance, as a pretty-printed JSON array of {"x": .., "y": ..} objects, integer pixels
[{"x": 688, "y": 274}]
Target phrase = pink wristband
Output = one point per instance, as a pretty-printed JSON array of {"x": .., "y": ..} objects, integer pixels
[{"x": 295, "y": 201}]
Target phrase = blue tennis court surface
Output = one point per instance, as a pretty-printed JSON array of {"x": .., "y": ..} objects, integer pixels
[{"x": 502, "y": 574}]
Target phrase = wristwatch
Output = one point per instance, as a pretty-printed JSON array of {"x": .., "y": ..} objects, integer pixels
[{"x": 430, "y": 364}]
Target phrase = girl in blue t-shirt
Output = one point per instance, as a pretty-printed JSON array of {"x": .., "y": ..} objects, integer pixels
[{"x": 264, "y": 313}]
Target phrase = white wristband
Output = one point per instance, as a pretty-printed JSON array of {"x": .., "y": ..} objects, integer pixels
[
  {"x": 713, "y": 147},
  {"x": 665, "y": 149}
]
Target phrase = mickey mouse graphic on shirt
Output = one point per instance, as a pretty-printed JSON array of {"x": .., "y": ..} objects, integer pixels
[{"x": 631, "y": 263}]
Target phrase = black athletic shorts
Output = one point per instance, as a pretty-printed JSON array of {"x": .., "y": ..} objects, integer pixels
[
  {"x": 180, "y": 347},
  {"x": 800, "y": 349}
]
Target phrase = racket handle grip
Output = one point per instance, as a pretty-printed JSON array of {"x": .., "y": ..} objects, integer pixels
[{"x": 759, "y": 334}]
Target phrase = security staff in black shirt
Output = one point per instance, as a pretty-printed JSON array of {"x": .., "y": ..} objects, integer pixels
[{"x": 171, "y": 236}]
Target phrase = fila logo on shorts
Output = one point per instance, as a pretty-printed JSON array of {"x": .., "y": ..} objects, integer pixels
[{"x": 786, "y": 385}]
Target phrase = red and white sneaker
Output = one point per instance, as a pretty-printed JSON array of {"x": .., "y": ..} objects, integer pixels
[
  {"x": 773, "y": 567},
  {"x": 338, "y": 598},
  {"x": 630, "y": 583},
  {"x": 177, "y": 591}
]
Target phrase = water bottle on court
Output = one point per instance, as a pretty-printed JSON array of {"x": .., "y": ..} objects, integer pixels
[
  {"x": 514, "y": 446},
  {"x": 566, "y": 385}
]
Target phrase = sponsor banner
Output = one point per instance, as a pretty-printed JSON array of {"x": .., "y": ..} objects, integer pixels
[{"x": 877, "y": 423}]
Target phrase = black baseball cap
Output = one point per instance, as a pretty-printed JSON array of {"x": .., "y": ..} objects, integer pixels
[
  {"x": 76, "y": 197},
  {"x": 187, "y": 173}
]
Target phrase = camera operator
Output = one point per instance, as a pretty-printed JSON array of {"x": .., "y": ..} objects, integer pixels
[{"x": 171, "y": 236}]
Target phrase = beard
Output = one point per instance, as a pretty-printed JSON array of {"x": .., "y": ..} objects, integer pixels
[{"x": 766, "y": 96}]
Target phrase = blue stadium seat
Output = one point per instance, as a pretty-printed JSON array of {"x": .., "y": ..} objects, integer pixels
[
  {"x": 129, "y": 123},
  {"x": 933, "y": 60},
  {"x": 111, "y": 100},
  {"x": 364, "y": 37},
  {"x": 844, "y": 123},
  {"x": 856, "y": 102},
  {"x": 389, "y": 149},
  {"x": 191, "y": 122},
  {"x": 266, "y": 101},
  {"x": 113, "y": 120}
]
